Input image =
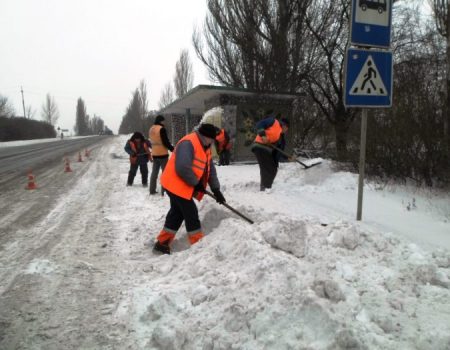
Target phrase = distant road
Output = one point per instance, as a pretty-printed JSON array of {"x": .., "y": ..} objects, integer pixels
[{"x": 17, "y": 160}]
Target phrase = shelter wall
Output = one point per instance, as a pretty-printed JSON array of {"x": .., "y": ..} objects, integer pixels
[
  {"x": 179, "y": 125},
  {"x": 241, "y": 113}
]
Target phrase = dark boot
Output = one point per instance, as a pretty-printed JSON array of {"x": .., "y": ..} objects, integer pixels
[{"x": 162, "y": 248}]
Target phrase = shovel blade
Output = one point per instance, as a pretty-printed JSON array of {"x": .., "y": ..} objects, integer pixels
[{"x": 312, "y": 162}]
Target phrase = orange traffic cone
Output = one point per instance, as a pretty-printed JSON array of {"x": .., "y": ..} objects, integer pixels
[
  {"x": 67, "y": 168},
  {"x": 31, "y": 183},
  {"x": 86, "y": 152},
  {"x": 79, "y": 157}
]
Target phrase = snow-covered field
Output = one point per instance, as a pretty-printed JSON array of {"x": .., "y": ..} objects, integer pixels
[{"x": 306, "y": 275}]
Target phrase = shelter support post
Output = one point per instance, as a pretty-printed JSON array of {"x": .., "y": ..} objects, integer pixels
[{"x": 188, "y": 119}]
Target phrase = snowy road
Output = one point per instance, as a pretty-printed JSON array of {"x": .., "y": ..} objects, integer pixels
[
  {"x": 50, "y": 229},
  {"x": 16, "y": 161},
  {"x": 75, "y": 272}
]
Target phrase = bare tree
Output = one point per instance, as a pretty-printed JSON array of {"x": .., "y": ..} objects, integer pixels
[
  {"x": 30, "y": 112},
  {"x": 144, "y": 100},
  {"x": 49, "y": 112},
  {"x": 167, "y": 96},
  {"x": 328, "y": 38},
  {"x": 81, "y": 121},
  {"x": 132, "y": 120},
  {"x": 407, "y": 140},
  {"x": 442, "y": 18},
  {"x": 184, "y": 75},
  {"x": 97, "y": 125},
  {"x": 6, "y": 108},
  {"x": 327, "y": 22},
  {"x": 281, "y": 46},
  {"x": 255, "y": 44}
]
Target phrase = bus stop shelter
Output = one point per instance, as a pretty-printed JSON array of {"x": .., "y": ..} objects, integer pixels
[{"x": 237, "y": 110}]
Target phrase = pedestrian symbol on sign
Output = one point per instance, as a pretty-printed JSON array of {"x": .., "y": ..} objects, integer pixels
[{"x": 368, "y": 81}]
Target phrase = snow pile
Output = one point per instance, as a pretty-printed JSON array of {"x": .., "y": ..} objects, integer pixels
[
  {"x": 291, "y": 284},
  {"x": 304, "y": 276}
]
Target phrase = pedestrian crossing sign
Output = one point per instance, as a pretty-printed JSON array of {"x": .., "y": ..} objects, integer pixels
[{"x": 368, "y": 78}]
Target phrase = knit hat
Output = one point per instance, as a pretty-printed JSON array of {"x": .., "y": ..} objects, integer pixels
[
  {"x": 137, "y": 136},
  {"x": 208, "y": 130},
  {"x": 159, "y": 119}
]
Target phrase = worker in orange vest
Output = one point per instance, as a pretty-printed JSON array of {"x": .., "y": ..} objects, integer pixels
[
  {"x": 268, "y": 131},
  {"x": 160, "y": 150},
  {"x": 138, "y": 149},
  {"x": 223, "y": 147},
  {"x": 189, "y": 170}
]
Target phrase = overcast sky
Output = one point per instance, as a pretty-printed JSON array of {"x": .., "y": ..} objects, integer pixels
[{"x": 98, "y": 50}]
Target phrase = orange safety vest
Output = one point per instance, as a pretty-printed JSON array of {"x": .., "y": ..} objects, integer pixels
[
  {"x": 158, "y": 148},
  {"x": 222, "y": 142},
  {"x": 133, "y": 160},
  {"x": 200, "y": 166},
  {"x": 273, "y": 133}
]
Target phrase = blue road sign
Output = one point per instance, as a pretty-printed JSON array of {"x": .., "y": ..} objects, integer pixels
[
  {"x": 368, "y": 78},
  {"x": 371, "y": 23}
]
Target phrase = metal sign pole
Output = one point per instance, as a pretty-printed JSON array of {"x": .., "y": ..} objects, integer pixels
[
  {"x": 368, "y": 72},
  {"x": 362, "y": 163}
]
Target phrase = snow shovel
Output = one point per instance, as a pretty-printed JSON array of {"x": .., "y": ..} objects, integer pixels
[
  {"x": 231, "y": 208},
  {"x": 306, "y": 166}
]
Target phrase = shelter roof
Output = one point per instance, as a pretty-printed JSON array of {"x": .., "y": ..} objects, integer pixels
[{"x": 195, "y": 98}]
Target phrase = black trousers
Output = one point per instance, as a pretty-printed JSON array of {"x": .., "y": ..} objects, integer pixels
[
  {"x": 158, "y": 163},
  {"x": 224, "y": 157},
  {"x": 133, "y": 170},
  {"x": 268, "y": 167},
  {"x": 182, "y": 209}
]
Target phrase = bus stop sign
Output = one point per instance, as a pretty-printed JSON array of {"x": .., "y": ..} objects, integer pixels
[{"x": 371, "y": 23}]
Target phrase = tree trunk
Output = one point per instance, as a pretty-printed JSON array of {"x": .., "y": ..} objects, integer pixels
[
  {"x": 341, "y": 129},
  {"x": 447, "y": 105}
]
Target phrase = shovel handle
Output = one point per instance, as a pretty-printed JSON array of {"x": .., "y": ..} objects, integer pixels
[
  {"x": 289, "y": 156},
  {"x": 231, "y": 208}
]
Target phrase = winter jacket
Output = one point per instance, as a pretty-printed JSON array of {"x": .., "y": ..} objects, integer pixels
[
  {"x": 222, "y": 141},
  {"x": 190, "y": 163},
  {"x": 138, "y": 154},
  {"x": 271, "y": 129},
  {"x": 160, "y": 142}
]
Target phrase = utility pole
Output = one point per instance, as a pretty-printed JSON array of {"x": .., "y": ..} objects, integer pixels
[{"x": 23, "y": 103}]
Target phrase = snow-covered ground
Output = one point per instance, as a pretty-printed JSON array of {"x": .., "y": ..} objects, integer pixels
[
  {"x": 31, "y": 142},
  {"x": 306, "y": 275}
]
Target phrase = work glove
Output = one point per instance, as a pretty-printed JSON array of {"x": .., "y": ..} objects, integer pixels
[
  {"x": 219, "y": 196},
  {"x": 199, "y": 188}
]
